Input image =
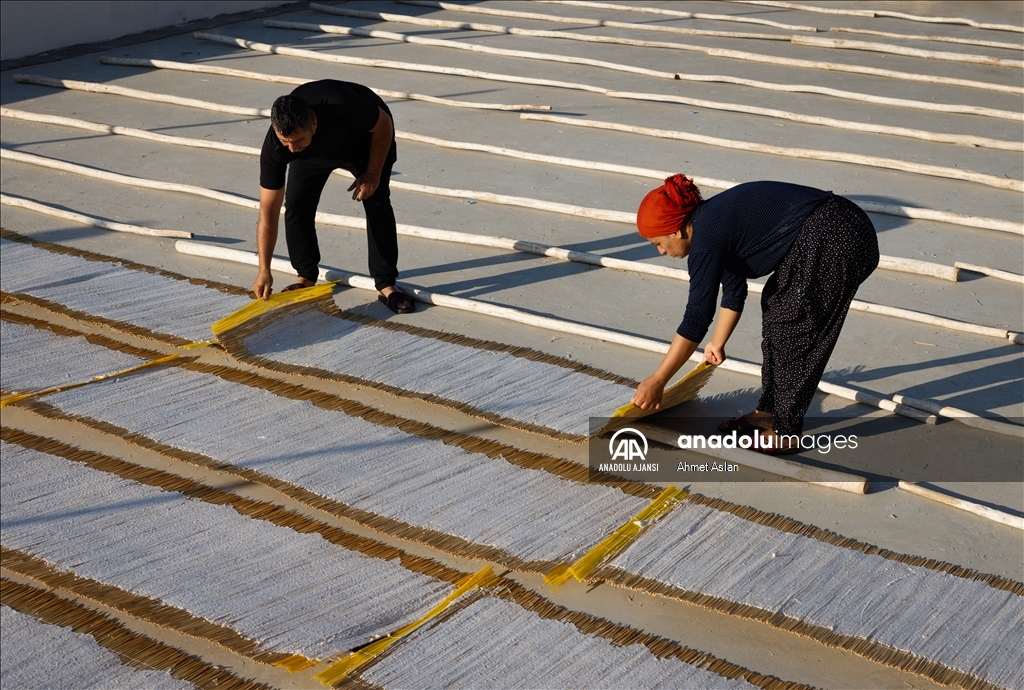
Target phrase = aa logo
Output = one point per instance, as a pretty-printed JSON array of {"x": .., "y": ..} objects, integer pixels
[{"x": 625, "y": 444}]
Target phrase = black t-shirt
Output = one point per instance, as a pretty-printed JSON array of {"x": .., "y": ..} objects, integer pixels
[
  {"x": 741, "y": 233},
  {"x": 345, "y": 114}
]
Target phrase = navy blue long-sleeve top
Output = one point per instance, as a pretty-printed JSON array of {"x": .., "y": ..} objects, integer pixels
[{"x": 741, "y": 233}]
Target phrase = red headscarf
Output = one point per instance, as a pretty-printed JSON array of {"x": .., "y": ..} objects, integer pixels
[{"x": 665, "y": 210}]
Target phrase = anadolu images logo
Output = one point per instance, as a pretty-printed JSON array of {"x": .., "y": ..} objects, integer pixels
[{"x": 628, "y": 447}]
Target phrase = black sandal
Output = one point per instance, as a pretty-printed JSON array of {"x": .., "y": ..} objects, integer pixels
[
  {"x": 398, "y": 302},
  {"x": 296, "y": 286},
  {"x": 740, "y": 425}
]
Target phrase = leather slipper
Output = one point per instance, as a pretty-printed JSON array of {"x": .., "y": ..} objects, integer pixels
[
  {"x": 398, "y": 302},
  {"x": 295, "y": 286},
  {"x": 739, "y": 424}
]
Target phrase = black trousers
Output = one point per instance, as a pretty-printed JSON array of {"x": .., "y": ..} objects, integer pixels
[
  {"x": 804, "y": 305},
  {"x": 306, "y": 180}
]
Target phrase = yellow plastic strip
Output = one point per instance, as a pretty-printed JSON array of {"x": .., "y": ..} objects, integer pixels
[
  {"x": 337, "y": 672},
  {"x": 296, "y": 663},
  {"x": 617, "y": 541},
  {"x": 201, "y": 343},
  {"x": 262, "y": 306},
  {"x": 683, "y": 390},
  {"x": 679, "y": 392},
  {"x": 45, "y": 391}
]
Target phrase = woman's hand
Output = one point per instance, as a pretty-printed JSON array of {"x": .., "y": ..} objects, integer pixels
[
  {"x": 714, "y": 353},
  {"x": 648, "y": 393}
]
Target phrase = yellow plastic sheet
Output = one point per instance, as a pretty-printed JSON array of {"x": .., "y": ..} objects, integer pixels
[
  {"x": 683, "y": 390},
  {"x": 296, "y": 663},
  {"x": 262, "y": 306},
  {"x": 56, "y": 389},
  {"x": 340, "y": 670},
  {"x": 617, "y": 541}
]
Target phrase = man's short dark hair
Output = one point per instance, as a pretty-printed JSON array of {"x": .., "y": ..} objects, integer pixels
[{"x": 290, "y": 113}]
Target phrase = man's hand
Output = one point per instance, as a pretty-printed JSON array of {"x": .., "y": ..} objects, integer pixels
[
  {"x": 262, "y": 286},
  {"x": 648, "y": 393},
  {"x": 714, "y": 353},
  {"x": 365, "y": 185}
]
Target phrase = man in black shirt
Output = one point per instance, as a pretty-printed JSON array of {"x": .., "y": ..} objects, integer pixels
[{"x": 321, "y": 126}]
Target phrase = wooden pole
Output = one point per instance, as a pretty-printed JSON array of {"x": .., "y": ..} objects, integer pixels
[
  {"x": 539, "y": 33},
  {"x": 389, "y": 64},
  {"x": 992, "y": 514},
  {"x": 993, "y": 272},
  {"x": 811, "y": 154},
  {"x": 86, "y": 219},
  {"x": 902, "y": 50},
  {"x": 472, "y": 47},
  {"x": 713, "y": 52},
  {"x": 963, "y": 416},
  {"x": 436, "y": 69},
  {"x": 780, "y": 467},
  {"x": 681, "y": 15},
  {"x": 537, "y": 16},
  {"x": 938, "y": 39},
  {"x": 517, "y": 316},
  {"x": 870, "y": 206},
  {"x": 883, "y": 13},
  {"x": 959, "y": 139},
  {"x": 279, "y": 79},
  {"x": 141, "y": 95},
  {"x": 886, "y": 262},
  {"x": 860, "y": 69},
  {"x": 486, "y": 240}
]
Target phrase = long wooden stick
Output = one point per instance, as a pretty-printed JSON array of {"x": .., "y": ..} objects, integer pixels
[
  {"x": 882, "y": 13},
  {"x": 93, "y": 87},
  {"x": 487, "y": 241},
  {"x": 680, "y": 15},
  {"x": 537, "y": 16},
  {"x": 811, "y": 154},
  {"x": 891, "y": 263},
  {"x": 504, "y": 199},
  {"x": 472, "y": 47},
  {"x": 993, "y": 272},
  {"x": 538, "y": 33},
  {"x": 938, "y": 39},
  {"x": 280, "y": 79},
  {"x": 963, "y": 416},
  {"x": 389, "y": 64},
  {"x": 870, "y": 206},
  {"x": 718, "y": 52},
  {"x": 992, "y": 514},
  {"x": 780, "y": 467},
  {"x": 856, "y": 96},
  {"x": 902, "y": 50},
  {"x": 860, "y": 69},
  {"x": 958, "y": 139},
  {"x": 465, "y": 238},
  {"x": 436, "y": 69},
  {"x": 96, "y": 173},
  {"x": 86, "y": 219},
  {"x": 517, "y": 316}
]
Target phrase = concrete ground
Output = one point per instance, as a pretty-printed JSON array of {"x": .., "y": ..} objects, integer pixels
[{"x": 883, "y": 354}]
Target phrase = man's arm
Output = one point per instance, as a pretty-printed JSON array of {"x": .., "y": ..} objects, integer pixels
[
  {"x": 648, "y": 393},
  {"x": 271, "y": 201},
  {"x": 380, "y": 143}
]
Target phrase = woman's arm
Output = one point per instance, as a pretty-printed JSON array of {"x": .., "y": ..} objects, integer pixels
[
  {"x": 714, "y": 352},
  {"x": 648, "y": 393}
]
